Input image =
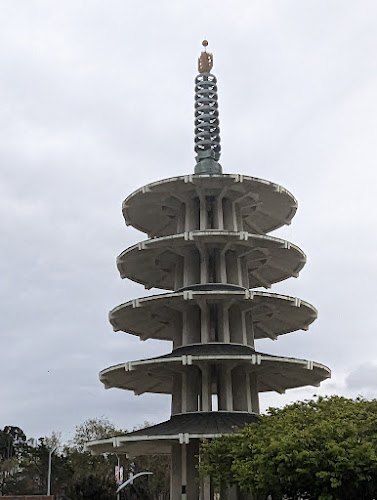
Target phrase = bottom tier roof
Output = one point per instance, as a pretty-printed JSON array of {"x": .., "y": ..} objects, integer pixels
[{"x": 179, "y": 428}]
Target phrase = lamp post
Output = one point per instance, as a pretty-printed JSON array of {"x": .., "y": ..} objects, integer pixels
[{"x": 49, "y": 470}]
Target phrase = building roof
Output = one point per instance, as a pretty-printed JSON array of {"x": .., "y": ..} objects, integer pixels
[
  {"x": 180, "y": 428},
  {"x": 159, "y": 316},
  {"x": 153, "y": 262},
  {"x": 156, "y": 375},
  {"x": 154, "y": 208}
]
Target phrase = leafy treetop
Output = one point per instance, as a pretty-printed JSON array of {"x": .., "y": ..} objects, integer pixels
[{"x": 322, "y": 449}]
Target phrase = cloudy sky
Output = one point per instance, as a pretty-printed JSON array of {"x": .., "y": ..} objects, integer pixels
[{"x": 96, "y": 101}]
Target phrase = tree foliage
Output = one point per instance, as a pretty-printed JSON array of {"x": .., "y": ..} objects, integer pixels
[
  {"x": 12, "y": 446},
  {"x": 91, "y": 487},
  {"x": 159, "y": 482},
  {"x": 76, "y": 474},
  {"x": 12, "y": 441},
  {"x": 322, "y": 449},
  {"x": 94, "y": 429}
]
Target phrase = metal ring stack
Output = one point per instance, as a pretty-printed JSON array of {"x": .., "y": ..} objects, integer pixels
[{"x": 207, "y": 130}]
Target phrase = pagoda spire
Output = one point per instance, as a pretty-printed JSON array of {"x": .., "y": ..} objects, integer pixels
[{"x": 207, "y": 130}]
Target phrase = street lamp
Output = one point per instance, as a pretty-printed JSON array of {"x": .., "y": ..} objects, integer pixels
[{"x": 49, "y": 470}]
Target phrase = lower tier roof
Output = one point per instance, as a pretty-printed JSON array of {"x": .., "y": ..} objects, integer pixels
[
  {"x": 180, "y": 428},
  {"x": 156, "y": 375}
]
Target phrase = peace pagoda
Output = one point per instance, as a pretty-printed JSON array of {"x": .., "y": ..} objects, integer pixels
[{"x": 209, "y": 249}]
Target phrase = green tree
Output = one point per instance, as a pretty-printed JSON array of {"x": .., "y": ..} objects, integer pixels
[
  {"x": 94, "y": 429},
  {"x": 91, "y": 488},
  {"x": 32, "y": 470},
  {"x": 24, "y": 465},
  {"x": 103, "y": 466},
  {"x": 92, "y": 475},
  {"x": 8, "y": 471},
  {"x": 323, "y": 449},
  {"x": 12, "y": 442},
  {"x": 160, "y": 465},
  {"x": 12, "y": 446},
  {"x": 159, "y": 482}
]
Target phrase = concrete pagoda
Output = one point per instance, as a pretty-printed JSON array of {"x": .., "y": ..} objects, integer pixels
[{"x": 208, "y": 245}]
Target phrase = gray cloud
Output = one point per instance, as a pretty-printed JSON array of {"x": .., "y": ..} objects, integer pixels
[{"x": 363, "y": 379}]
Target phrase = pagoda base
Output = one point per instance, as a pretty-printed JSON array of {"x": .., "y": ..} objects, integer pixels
[
  {"x": 179, "y": 429},
  {"x": 180, "y": 437}
]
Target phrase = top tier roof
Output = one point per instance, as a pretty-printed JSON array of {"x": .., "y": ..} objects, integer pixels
[{"x": 156, "y": 208}]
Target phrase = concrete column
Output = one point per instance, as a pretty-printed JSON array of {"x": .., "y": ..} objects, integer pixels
[
  {"x": 213, "y": 323},
  {"x": 248, "y": 394},
  {"x": 224, "y": 322},
  {"x": 217, "y": 266},
  {"x": 184, "y": 392},
  {"x": 204, "y": 322},
  {"x": 244, "y": 272},
  {"x": 191, "y": 215},
  {"x": 181, "y": 219},
  {"x": 190, "y": 389},
  {"x": 223, "y": 268},
  {"x": 190, "y": 268},
  {"x": 219, "y": 213},
  {"x": 231, "y": 268},
  {"x": 175, "y": 477},
  {"x": 196, "y": 325},
  {"x": 203, "y": 224},
  {"x": 240, "y": 272},
  {"x": 235, "y": 321},
  {"x": 206, "y": 391},
  {"x": 220, "y": 321},
  {"x": 254, "y": 393},
  {"x": 191, "y": 326},
  {"x": 177, "y": 339},
  {"x": 192, "y": 451},
  {"x": 244, "y": 332},
  {"x": 234, "y": 217},
  {"x": 184, "y": 472},
  {"x": 228, "y": 215},
  {"x": 203, "y": 265},
  {"x": 238, "y": 216},
  {"x": 176, "y": 399},
  {"x": 178, "y": 278},
  {"x": 240, "y": 386},
  {"x": 250, "y": 330},
  {"x": 224, "y": 391},
  {"x": 193, "y": 378}
]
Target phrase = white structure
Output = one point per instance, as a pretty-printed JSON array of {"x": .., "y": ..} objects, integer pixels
[{"x": 207, "y": 245}]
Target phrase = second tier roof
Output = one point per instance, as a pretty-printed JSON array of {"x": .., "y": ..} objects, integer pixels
[{"x": 154, "y": 262}]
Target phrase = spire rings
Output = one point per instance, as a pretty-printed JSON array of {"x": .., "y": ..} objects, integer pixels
[{"x": 207, "y": 130}]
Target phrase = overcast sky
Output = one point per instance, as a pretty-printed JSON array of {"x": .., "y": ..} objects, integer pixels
[{"x": 96, "y": 101}]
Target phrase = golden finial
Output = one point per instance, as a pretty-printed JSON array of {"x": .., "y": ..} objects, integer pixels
[{"x": 205, "y": 61}]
